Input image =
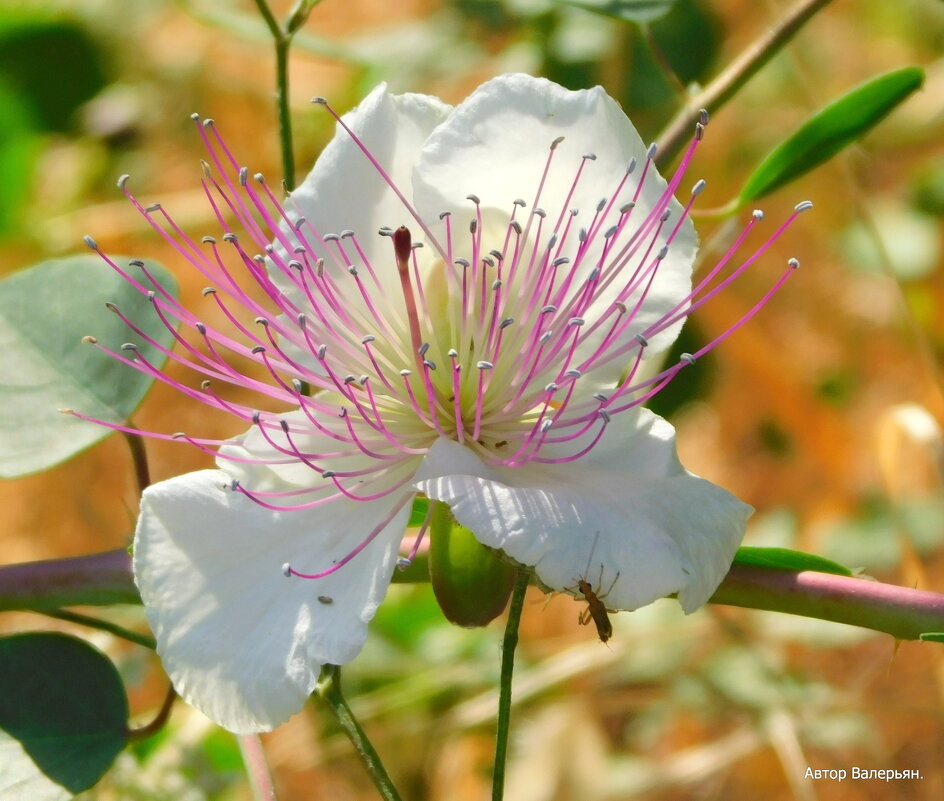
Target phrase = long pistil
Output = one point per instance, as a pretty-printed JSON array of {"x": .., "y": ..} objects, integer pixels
[{"x": 403, "y": 250}]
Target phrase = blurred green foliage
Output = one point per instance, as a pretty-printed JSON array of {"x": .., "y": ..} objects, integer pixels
[
  {"x": 49, "y": 67},
  {"x": 52, "y": 63}
]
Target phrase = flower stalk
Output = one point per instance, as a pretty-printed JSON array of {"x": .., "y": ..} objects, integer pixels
[
  {"x": 509, "y": 644},
  {"x": 98, "y": 579},
  {"x": 257, "y": 768},
  {"x": 328, "y": 689}
]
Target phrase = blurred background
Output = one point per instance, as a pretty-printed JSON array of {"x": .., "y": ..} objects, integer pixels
[{"x": 823, "y": 413}]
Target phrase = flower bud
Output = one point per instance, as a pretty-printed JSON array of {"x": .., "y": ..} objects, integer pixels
[{"x": 472, "y": 583}]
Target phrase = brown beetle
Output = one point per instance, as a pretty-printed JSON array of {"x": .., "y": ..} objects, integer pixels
[{"x": 596, "y": 610}]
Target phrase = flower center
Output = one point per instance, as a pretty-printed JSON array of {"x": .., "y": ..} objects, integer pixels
[
  {"x": 503, "y": 325},
  {"x": 519, "y": 339}
]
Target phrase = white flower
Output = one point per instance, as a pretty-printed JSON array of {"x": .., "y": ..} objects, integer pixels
[{"x": 496, "y": 368}]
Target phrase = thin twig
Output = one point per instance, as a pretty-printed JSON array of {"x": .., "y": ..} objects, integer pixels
[
  {"x": 160, "y": 720},
  {"x": 103, "y": 625},
  {"x": 734, "y": 77}
]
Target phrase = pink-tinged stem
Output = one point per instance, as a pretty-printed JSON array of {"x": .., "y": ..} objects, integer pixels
[
  {"x": 105, "y": 578},
  {"x": 902, "y": 612},
  {"x": 257, "y": 767},
  {"x": 98, "y": 579}
]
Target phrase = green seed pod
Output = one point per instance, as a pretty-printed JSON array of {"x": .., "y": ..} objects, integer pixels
[{"x": 472, "y": 583}]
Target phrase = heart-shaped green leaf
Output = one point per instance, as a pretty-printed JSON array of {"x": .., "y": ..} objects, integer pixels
[
  {"x": 785, "y": 559},
  {"x": 45, "y": 311},
  {"x": 63, "y": 716},
  {"x": 830, "y": 130}
]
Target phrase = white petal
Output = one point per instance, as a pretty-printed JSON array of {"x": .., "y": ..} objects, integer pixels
[
  {"x": 239, "y": 640},
  {"x": 345, "y": 191},
  {"x": 495, "y": 143},
  {"x": 628, "y": 518},
  {"x": 253, "y": 460}
]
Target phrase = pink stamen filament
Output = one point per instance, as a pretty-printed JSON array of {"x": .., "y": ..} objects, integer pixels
[
  {"x": 543, "y": 290},
  {"x": 363, "y": 544}
]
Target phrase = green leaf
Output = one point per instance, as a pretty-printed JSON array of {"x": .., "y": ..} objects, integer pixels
[
  {"x": 63, "y": 716},
  {"x": 830, "y": 130},
  {"x": 932, "y": 636},
  {"x": 638, "y": 11},
  {"x": 785, "y": 559},
  {"x": 44, "y": 365}
]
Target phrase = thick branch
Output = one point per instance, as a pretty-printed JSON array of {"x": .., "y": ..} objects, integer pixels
[
  {"x": 904, "y": 613},
  {"x": 105, "y": 578},
  {"x": 99, "y": 579}
]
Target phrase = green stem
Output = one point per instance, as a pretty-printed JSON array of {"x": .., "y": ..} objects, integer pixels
[
  {"x": 282, "y": 46},
  {"x": 328, "y": 689},
  {"x": 509, "y": 644},
  {"x": 734, "y": 77},
  {"x": 103, "y": 625},
  {"x": 282, "y": 40},
  {"x": 271, "y": 22}
]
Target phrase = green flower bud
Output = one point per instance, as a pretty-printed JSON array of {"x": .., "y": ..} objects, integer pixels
[{"x": 472, "y": 582}]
